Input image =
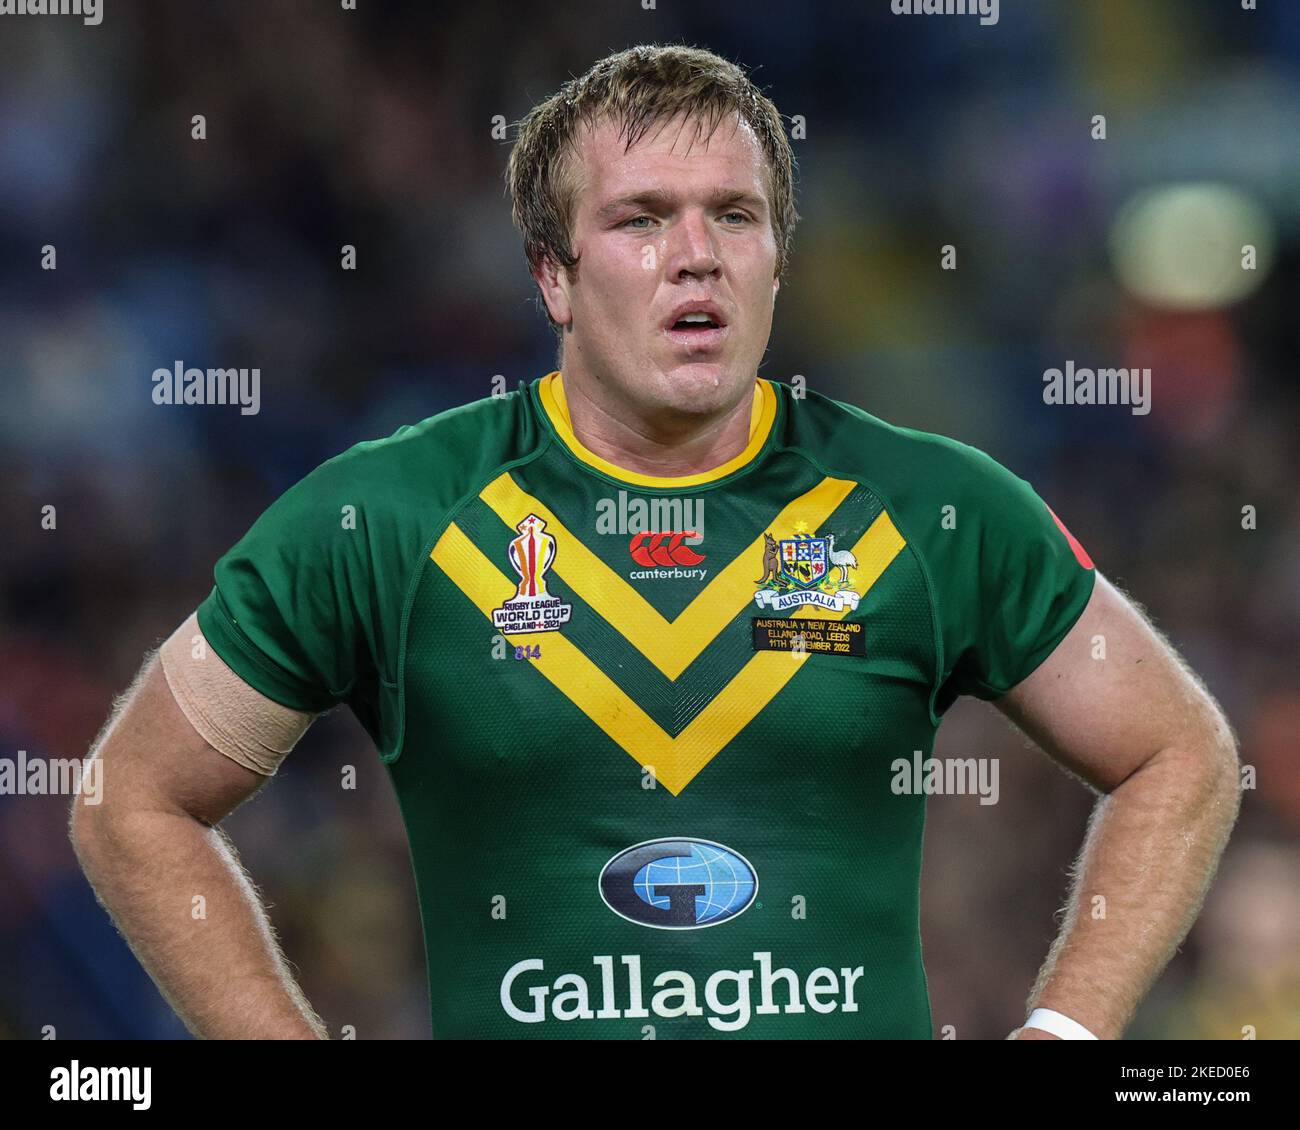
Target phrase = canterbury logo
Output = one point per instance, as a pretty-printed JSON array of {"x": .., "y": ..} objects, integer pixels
[{"x": 663, "y": 549}]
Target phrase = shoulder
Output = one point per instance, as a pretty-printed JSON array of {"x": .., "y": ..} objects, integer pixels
[
  {"x": 392, "y": 491},
  {"x": 426, "y": 467},
  {"x": 906, "y": 466},
  {"x": 1005, "y": 580}
]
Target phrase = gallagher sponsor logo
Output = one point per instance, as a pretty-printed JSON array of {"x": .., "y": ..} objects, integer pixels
[
  {"x": 678, "y": 884},
  {"x": 663, "y": 554}
]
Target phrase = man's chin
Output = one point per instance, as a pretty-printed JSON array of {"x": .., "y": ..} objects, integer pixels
[{"x": 701, "y": 385}]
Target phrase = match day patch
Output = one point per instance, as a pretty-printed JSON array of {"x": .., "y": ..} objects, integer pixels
[{"x": 829, "y": 637}]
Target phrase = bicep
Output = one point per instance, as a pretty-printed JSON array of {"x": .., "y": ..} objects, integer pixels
[
  {"x": 155, "y": 760},
  {"x": 1111, "y": 695}
]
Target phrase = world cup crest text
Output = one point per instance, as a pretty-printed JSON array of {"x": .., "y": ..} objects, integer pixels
[{"x": 532, "y": 608}]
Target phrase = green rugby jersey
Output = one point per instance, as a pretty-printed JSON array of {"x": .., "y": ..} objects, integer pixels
[{"x": 644, "y": 731}]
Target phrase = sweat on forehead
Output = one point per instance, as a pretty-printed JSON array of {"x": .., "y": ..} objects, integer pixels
[{"x": 600, "y": 146}]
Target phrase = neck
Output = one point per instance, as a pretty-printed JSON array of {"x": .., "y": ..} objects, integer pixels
[{"x": 666, "y": 443}]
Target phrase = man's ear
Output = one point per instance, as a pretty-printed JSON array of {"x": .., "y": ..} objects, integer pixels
[
  {"x": 554, "y": 284},
  {"x": 776, "y": 285}
]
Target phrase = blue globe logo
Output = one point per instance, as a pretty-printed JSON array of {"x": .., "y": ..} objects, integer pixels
[{"x": 678, "y": 883}]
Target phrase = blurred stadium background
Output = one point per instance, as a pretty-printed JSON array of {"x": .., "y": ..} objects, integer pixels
[{"x": 373, "y": 128}]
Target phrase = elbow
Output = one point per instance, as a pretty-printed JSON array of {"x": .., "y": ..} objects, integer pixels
[
  {"x": 88, "y": 821},
  {"x": 1213, "y": 761},
  {"x": 1223, "y": 757},
  {"x": 81, "y": 829},
  {"x": 1223, "y": 801}
]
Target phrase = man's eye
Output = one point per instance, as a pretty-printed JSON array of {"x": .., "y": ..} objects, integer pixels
[
  {"x": 742, "y": 216},
  {"x": 634, "y": 219}
]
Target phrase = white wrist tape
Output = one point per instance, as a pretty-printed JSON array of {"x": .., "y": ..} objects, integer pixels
[{"x": 1045, "y": 1020}]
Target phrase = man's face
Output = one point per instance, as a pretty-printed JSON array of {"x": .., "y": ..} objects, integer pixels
[{"x": 657, "y": 228}]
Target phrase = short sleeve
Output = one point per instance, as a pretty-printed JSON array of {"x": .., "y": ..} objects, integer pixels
[
  {"x": 1014, "y": 584},
  {"x": 288, "y": 608}
]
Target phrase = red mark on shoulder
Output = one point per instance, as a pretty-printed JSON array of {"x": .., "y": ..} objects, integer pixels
[{"x": 1081, "y": 554}]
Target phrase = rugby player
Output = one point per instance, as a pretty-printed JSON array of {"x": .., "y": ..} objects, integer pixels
[{"x": 639, "y": 644}]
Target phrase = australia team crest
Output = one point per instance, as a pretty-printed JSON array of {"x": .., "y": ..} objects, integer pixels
[
  {"x": 806, "y": 570},
  {"x": 532, "y": 608}
]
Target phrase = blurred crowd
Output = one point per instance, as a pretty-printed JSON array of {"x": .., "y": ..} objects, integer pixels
[{"x": 374, "y": 128}]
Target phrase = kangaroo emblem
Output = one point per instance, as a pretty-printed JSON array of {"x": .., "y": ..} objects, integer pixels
[{"x": 771, "y": 560}]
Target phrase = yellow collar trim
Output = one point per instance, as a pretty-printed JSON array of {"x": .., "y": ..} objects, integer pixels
[{"x": 762, "y": 416}]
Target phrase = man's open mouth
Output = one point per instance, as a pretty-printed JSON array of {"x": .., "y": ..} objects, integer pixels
[{"x": 696, "y": 322}]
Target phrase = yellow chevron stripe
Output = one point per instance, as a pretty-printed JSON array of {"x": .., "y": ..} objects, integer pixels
[
  {"x": 671, "y": 645},
  {"x": 675, "y": 760}
]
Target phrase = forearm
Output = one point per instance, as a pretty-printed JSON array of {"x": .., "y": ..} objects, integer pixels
[
  {"x": 176, "y": 890},
  {"x": 1150, "y": 853}
]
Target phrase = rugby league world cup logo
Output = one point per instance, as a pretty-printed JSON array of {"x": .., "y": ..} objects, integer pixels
[{"x": 532, "y": 608}]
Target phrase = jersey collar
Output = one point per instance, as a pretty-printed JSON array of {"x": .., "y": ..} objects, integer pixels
[{"x": 762, "y": 415}]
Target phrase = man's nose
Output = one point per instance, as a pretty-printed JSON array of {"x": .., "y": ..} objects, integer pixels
[{"x": 692, "y": 246}]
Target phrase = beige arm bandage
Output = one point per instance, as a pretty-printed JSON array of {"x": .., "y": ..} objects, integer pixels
[{"x": 228, "y": 714}]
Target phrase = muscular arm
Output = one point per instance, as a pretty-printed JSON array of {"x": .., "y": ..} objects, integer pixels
[
  {"x": 151, "y": 849},
  {"x": 1141, "y": 729}
]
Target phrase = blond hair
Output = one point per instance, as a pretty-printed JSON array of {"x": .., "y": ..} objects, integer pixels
[{"x": 634, "y": 89}]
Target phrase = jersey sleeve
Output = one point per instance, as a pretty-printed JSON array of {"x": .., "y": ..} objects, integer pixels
[
  {"x": 1014, "y": 583},
  {"x": 288, "y": 610}
]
